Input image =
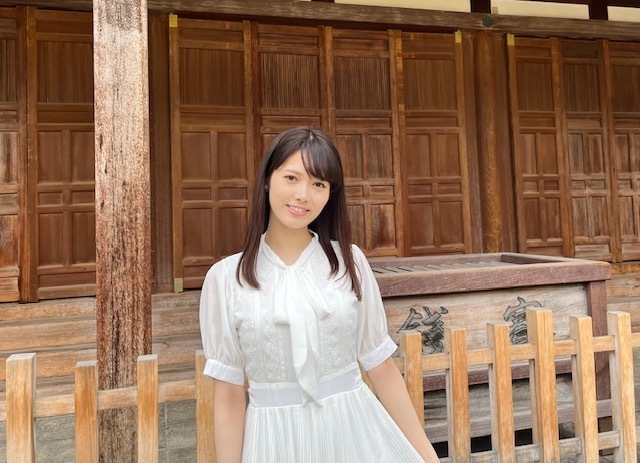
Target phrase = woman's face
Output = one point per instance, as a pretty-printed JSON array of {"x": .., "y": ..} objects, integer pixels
[{"x": 295, "y": 198}]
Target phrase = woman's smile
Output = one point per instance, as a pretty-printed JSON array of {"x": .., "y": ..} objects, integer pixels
[{"x": 297, "y": 210}]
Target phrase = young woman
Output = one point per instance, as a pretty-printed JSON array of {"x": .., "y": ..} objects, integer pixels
[{"x": 295, "y": 312}]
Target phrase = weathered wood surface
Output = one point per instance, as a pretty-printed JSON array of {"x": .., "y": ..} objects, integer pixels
[
  {"x": 465, "y": 273},
  {"x": 488, "y": 152},
  {"x": 382, "y": 16},
  {"x": 63, "y": 341},
  {"x": 122, "y": 205},
  {"x": 86, "y": 411},
  {"x": 20, "y": 409}
]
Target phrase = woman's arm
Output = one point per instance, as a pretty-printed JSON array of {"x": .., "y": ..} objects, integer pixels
[
  {"x": 229, "y": 407},
  {"x": 392, "y": 393}
]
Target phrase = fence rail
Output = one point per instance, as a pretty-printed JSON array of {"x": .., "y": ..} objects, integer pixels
[{"x": 22, "y": 405}]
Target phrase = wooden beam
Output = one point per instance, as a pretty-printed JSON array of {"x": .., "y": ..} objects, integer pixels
[
  {"x": 123, "y": 244},
  {"x": 380, "y": 17},
  {"x": 486, "y": 114}
]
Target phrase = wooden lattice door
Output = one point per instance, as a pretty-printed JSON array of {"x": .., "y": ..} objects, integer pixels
[
  {"x": 60, "y": 198},
  {"x": 624, "y": 87},
  {"x": 542, "y": 206},
  {"x": 212, "y": 143},
  {"x": 437, "y": 218},
  {"x": 12, "y": 154}
]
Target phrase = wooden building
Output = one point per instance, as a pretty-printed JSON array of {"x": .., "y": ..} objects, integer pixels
[{"x": 461, "y": 131}]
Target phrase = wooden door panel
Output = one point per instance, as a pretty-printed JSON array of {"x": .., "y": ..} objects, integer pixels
[
  {"x": 11, "y": 158},
  {"x": 61, "y": 179},
  {"x": 361, "y": 100},
  {"x": 542, "y": 209},
  {"x": 357, "y": 221},
  {"x": 423, "y": 232},
  {"x": 212, "y": 146},
  {"x": 625, "y": 132},
  {"x": 587, "y": 150},
  {"x": 434, "y": 155}
]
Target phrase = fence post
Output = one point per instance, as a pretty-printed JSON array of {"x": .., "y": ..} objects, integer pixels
[
  {"x": 457, "y": 385},
  {"x": 622, "y": 386},
  {"x": 501, "y": 392},
  {"x": 205, "y": 394},
  {"x": 411, "y": 351},
  {"x": 583, "y": 375},
  {"x": 21, "y": 388},
  {"x": 148, "y": 408},
  {"x": 86, "y": 411},
  {"x": 542, "y": 380}
]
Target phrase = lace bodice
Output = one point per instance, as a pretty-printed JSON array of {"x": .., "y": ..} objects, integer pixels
[{"x": 299, "y": 326}]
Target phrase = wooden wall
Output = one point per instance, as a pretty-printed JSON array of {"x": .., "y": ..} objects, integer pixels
[{"x": 405, "y": 108}]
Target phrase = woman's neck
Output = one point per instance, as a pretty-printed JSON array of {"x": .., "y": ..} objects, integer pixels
[{"x": 288, "y": 245}]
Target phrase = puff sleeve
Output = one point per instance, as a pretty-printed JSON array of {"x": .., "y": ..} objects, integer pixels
[
  {"x": 219, "y": 335},
  {"x": 374, "y": 343}
]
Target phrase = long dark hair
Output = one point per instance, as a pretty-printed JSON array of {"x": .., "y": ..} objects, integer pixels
[{"x": 321, "y": 160}]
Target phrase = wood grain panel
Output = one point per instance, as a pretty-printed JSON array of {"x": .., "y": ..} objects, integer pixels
[
  {"x": 211, "y": 143},
  {"x": 434, "y": 155},
  {"x": 625, "y": 141},
  {"x": 61, "y": 223},
  {"x": 11, "y": 157},
  {"x": 587, "y": 149},
  {"x": 360, "y": 99},
  {"x": 536, "y": 106}
]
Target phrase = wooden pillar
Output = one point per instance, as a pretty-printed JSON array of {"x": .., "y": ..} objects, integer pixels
[
  {"x": 123, "y": 249},
  {"x": 486, "y": 96}
]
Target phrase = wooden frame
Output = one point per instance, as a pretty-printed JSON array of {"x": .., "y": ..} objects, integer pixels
[{"x": 381, "y": 16}]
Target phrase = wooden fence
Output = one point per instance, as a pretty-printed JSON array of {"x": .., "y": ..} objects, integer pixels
[{"x": 22, "y": 406}]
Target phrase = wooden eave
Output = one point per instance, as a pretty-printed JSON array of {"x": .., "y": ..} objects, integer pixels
[{"x": 378, "y": 17}]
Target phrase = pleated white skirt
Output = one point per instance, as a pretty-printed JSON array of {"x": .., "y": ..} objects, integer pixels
[{"x": 347, "y": 427}]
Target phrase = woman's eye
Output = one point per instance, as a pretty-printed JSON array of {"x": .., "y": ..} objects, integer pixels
[
  {"x": 290, "y": 177},
  {"x": 321, "y": 185}
]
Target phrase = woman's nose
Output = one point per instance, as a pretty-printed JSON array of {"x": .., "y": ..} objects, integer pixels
[{"x": 302, "y": 191}]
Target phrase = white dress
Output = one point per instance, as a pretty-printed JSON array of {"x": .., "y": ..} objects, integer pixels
[{"x": 299, "y": 340}]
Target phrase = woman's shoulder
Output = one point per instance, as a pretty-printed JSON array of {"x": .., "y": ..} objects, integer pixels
[{"x": 225, "y": 267}]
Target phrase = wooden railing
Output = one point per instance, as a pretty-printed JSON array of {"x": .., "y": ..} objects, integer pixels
[{"x": 22, "y": 406}]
